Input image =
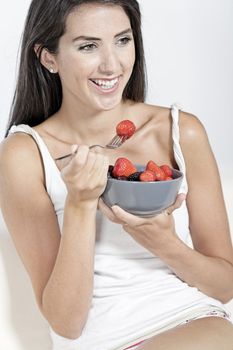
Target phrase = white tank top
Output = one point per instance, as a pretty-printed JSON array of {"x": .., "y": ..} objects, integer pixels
[{"x": 135, "y": 294}]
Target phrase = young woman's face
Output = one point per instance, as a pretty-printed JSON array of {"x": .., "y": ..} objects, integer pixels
[{"x": 96, "y": 56}]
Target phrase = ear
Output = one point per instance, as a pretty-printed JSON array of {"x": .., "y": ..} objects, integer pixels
[{"x": 47, "y": 59}]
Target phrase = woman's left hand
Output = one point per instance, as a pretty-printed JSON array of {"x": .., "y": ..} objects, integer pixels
[{"x": 152, "y": 232}]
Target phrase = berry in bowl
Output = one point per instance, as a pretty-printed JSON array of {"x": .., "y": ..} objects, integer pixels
[{"x": 142, "y": 190}]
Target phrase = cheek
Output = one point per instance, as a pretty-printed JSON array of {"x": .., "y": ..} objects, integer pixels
[
  {"x": 87, "y": 65},
  {"x": 129, "y": 59},
  {"x": 73, "y": 65}
]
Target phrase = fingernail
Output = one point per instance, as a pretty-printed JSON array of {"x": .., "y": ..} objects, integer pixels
[
  {"x": 74, "y": 149},
  {"x": 114, "y": 207}
]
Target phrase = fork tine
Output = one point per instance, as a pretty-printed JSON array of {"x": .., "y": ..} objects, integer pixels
[
  {"x": 117, "y": 141},
  {"x": 113, "y": 142}
]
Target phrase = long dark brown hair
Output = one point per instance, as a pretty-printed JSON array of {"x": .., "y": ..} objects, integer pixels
[{"x": 38, "y": 93}]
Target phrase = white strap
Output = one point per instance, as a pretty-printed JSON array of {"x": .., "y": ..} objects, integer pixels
[{"x": 176, "y": 146}]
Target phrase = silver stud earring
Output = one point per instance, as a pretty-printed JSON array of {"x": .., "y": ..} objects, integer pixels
[{"x": 51, "y": 69}]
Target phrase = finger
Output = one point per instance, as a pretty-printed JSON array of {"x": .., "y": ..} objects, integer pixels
[
  {"x": 178, "y": 202},
  {"x": 77, "y": 161},
  {"x": 105, "y": 210},
  {"x": 81, "y": 154},
  {"x": 104, "y": 168},
  {"x": 127, "y": 218},
  {"x": 99, "y": 165},
  {"x": 100, "y": 170},
  {"x": 91, "y": 162},
  {"x": 74, "y": 149},
  {"x": 62, "y": 163}
]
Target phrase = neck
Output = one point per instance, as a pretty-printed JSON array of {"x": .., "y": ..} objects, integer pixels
[{"x": 85, "y": 125}]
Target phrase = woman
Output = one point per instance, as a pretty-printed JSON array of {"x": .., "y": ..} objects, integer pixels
[{"x": 103, "y": 278}]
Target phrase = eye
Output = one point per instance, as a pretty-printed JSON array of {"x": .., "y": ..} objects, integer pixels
[
  {"x": 124, "y": 40},
  {"x": 87, "y": 47}
]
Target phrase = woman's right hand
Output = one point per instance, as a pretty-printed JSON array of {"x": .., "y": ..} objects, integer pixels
[{"x": 85, "y": 175}]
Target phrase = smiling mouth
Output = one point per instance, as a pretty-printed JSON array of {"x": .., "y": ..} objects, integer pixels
[{"x": 106, "y": 84}]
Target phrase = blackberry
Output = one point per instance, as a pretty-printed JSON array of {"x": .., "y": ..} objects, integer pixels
[
  {"x": 110, "y": 169},
  {"x": 134, "y": 176}
]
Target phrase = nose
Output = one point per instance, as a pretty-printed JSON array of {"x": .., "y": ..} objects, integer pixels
[{"x": 109, "y": 63}]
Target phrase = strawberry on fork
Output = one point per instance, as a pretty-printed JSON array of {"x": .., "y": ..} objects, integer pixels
[{"x": 125, "y": 129}]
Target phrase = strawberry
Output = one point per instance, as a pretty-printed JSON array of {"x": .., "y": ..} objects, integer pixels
[
  {"x": 125, "y": 128},
  {"x": 159, "y": 173},
  {"x": 152, "y": 166},
  {"x": 168, "y": 178},
  {"x": 123, "y": 167},
  {"x": 147, "y": 176},
  {"x": 166, "y": 168}
]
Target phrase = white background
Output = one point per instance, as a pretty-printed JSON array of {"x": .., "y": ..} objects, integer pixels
[{"x": 189, "y": 52}]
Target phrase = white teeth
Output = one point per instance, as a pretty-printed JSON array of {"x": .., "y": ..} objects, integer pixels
[{"x": 106, "y": 84}]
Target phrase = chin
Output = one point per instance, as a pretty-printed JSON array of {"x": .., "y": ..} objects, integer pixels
[{"x": 109, "y": 105}]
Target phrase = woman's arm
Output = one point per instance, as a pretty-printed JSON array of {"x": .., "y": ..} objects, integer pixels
[
  {"x": 60, "y": 266},
  {"x": 209, "y": 266}
]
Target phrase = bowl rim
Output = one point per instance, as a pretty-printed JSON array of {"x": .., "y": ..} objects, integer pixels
[{"x": 180, "y": 176}]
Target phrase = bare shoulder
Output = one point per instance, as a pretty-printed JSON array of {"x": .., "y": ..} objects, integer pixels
[
  {"x": 194, "y": 141},
  {"x": 19, "y": 142},
  {"x": 191, "y": 128},
  {"x": 19, "y": 152}
]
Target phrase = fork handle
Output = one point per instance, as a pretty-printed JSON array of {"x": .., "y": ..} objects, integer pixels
[
  {"x": 92, "y": 146},
  {"x": 65, "y": 156},
  {"x": 70, "y": 154}
]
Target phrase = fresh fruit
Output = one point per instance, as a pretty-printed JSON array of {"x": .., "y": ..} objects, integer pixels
[
  {"x": 152, "y": 166},
  {"x": 134, "y": 176},
  {"x": 110, "y": 169},
  {"x": 125, "y": 170},
  {"x": 147, "y": 176},
  {"x": 125, "y": 128},
  {"x": 168, "y": 178},
  {"x": 123, "y": 167},
  {"x": 166, "y": 168},
  {"x": 159, "y": 173}
]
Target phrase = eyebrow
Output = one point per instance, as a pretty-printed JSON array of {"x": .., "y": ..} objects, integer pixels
[{"x": 83, "y": 37}]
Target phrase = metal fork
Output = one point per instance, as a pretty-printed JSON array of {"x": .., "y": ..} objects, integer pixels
[{"x": 116, "y": 142}]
